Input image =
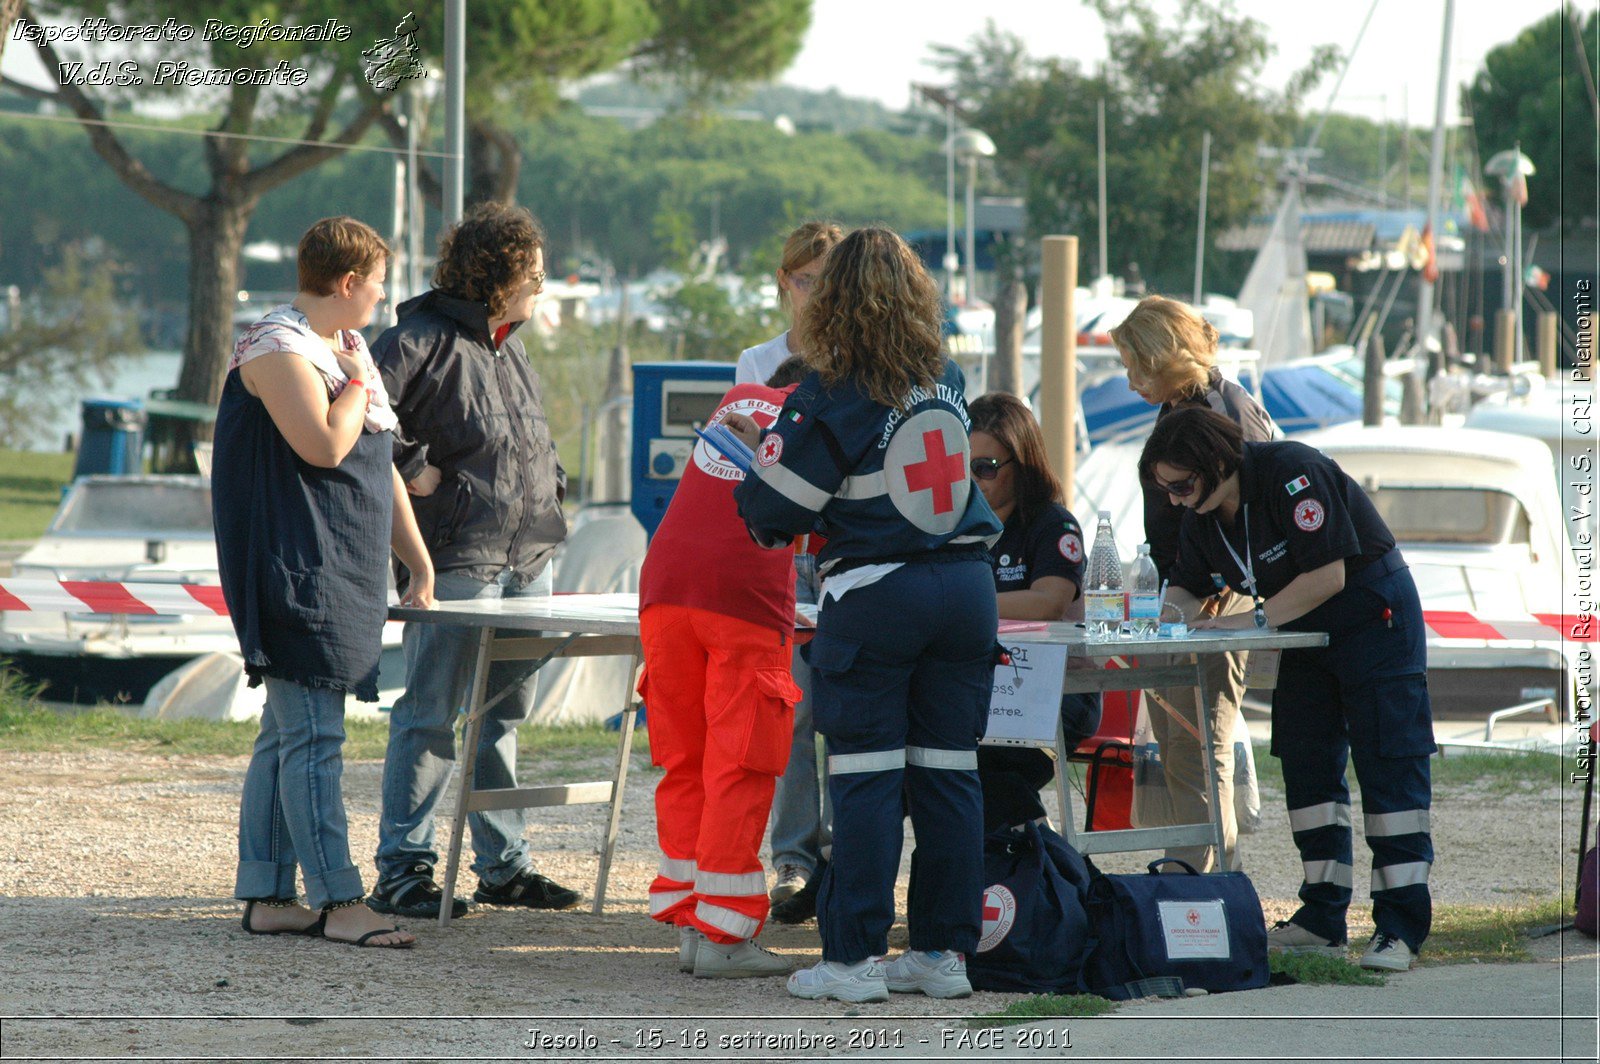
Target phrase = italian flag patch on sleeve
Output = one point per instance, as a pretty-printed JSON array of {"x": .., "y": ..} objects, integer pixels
[{"x": 1298, "y": 484}]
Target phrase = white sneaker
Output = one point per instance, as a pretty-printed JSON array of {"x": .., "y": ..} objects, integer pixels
[
  {"x": 1385, "y": 953},
  {"x": 1287, "y": 937},
  {"x": 792, "y": 879},
  {"x": 843, "y": 982},
  {"x": 689, "y": 940},
  {"x": 738, "y": 960},
  {"x": 936, "y": 973}
]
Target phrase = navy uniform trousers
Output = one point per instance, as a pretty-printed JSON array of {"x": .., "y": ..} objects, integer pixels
[
  {"x": 1363, "y": 697},
  {"x": 902, "y": 671}
]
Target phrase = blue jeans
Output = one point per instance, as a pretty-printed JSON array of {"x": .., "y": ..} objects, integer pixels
[
  {"x": 292, "y": 808},
  {"x": 422, "y": 739},
  {"x": 802, "y": 813}
]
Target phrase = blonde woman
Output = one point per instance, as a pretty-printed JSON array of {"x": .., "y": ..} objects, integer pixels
[
  {"x": 872, "y": 451},
  {"x": 1170, "y": 353},
  {"x": 801, "y": 816}
]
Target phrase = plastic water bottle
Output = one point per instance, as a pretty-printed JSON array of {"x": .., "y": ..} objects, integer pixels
[
  {"x": 1103, "y": 600},
  {"x": 1144, "y": 597}
]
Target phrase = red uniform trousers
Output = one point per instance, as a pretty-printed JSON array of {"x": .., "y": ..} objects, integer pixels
[{"x": 720, "y": 701}]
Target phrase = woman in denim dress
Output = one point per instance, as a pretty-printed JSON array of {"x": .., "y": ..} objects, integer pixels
[{"x": 306, "y": 503}]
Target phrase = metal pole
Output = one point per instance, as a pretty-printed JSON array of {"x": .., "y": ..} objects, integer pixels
[
  {"x": 1200, "y": 232},
  {"x": 400, "y": 269},
  {"x": 949, "y": 198},
  {"x": 1105, "y": 263},
  {"x": 455, "y": 115},
  {"x": 1516, "y": 274},
  {"x": 972, "y": 231},
  {"x": 1435, "y": 184},
  {"x": 416, "y": 220}
]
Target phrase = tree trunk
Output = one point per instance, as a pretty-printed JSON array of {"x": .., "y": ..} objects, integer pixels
[
  {"x": 1010, "y": 318},
  {"x": 494, "y": 163},
  {"x": 8, "y": 15},
  {"x": 216, "y": 238}
]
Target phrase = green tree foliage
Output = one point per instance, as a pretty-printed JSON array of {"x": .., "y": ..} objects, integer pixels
[
  {"x": 1530, "y": 90},
  {"x": 67, "y": 336},
  {"x": 644, "y": 199},
  {"x": 521, "y": 52},
  {"x": 301, "y": 97},
  {"x": 1167, "y": 81}
]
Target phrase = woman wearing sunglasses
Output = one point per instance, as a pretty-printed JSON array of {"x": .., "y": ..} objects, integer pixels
[
  {"x": 1170, "y": 353},
  {"x": 1038, "y": 576},
  {"x": 1285, "y": 526}
]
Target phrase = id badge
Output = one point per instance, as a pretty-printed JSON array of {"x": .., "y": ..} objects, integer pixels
[{"x": 1261, "y": 669}]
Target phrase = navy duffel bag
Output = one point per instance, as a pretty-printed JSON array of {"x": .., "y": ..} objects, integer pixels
[
  {"x": 1161, "y": 934},
  {"x": 1036, "y": 933}
]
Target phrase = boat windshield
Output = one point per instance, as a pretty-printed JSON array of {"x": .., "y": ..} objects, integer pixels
[
  {"x": 135, "y": 508},
  {"x": 1419, "y": 514}
]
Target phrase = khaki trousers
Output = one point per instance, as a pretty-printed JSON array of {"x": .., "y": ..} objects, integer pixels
[{"x": 1180, "y": 751}]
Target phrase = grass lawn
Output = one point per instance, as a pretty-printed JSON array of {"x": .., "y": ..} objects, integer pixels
[
  {"x": 28, "y": 727},
  {"x": 30, "y": 491}
]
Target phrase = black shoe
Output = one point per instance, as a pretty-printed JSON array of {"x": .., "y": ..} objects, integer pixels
[
  {"x": 414, "y": 894},
  {"x": 530, "y": 890},
  {"x": 801, "y": 905}
]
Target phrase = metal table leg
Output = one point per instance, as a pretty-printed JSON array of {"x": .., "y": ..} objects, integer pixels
[{"x": 468, "y": 748}]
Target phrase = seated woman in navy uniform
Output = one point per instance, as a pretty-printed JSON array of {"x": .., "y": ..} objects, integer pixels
[
  {"x": 1038, "y": 576},
  {"x": 871, "y": 450},
  {"x": 1282, "y": 523}
]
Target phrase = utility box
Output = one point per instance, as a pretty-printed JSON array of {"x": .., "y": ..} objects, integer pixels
[
  {"x": 670, "y": 401},
  {"x": 112, "y": 438}
]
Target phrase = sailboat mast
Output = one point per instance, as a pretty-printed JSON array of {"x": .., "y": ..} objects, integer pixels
[{"x": 1435, "y": 181}]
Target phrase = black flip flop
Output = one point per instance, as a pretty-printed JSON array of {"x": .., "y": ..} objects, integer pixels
[
  {"x": 363, "y": 941},
  {"x": 313, "y": 930}
]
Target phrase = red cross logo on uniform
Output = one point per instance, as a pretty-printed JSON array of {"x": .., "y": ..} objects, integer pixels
[
  {"x": 939, "y": 472},
  {"x": 771, "y": 450}
]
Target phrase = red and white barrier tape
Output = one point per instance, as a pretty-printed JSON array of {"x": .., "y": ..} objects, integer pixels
[{"x": 85, "y": 596}]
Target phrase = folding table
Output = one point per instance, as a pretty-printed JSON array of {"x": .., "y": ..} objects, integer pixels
[
  {"x": 1152, "y": 662},
  {"x": 537, "y": 630}
]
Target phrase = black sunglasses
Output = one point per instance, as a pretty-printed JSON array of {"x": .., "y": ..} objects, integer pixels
[
  {"x": 988, "y": 468},
  {"x": 1178, "y": 489}
]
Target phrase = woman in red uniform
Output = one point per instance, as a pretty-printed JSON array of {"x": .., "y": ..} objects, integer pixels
[{"x": 716, "y": 617}]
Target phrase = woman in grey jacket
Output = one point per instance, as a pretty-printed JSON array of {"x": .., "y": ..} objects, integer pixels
[{"x": 1170, "y": 353}]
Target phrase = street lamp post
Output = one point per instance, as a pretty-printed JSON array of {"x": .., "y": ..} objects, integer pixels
[
  {"x": 1513, "y": 169},
  {"x": 970, "y": 145}
]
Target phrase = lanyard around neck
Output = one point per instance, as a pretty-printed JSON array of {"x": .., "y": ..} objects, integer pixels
[{"x": 1247, "y": 566}]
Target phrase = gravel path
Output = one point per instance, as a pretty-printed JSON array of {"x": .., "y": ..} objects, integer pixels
[{"x": 115, "y": 901}]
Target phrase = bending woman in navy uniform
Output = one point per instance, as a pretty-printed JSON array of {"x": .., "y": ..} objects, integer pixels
[
  {"x": 1283, "y": 524},
  {"x": 872, "y": 451},
  {"x": 1038, "y": 576}
]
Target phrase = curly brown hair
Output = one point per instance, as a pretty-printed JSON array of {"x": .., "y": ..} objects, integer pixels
[
  {"x": 488, "y": 255},
  {"x": 874, "y": 317}
]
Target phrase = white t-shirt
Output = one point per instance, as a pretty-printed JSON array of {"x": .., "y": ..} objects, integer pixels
[{"x": 758, "y": 363}]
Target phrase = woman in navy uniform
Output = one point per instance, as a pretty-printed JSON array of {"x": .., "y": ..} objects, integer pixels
[
  {"x": 1283, "y": 524},
  {"x": 1038, "y": 576},
  {"x": 872, "y": 451}
]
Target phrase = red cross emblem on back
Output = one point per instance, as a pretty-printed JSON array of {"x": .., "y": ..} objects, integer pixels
[{"x": 939, "y": 472}]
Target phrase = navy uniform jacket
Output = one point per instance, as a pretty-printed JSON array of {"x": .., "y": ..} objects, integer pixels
[
  {"x": 1049, "y": 545},
  {"x": 881, "y": 484},
  {"x": 1299, "y": 510}
]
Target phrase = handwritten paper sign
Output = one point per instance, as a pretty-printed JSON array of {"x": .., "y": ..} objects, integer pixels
[{"x": 1026, "y": 704}]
